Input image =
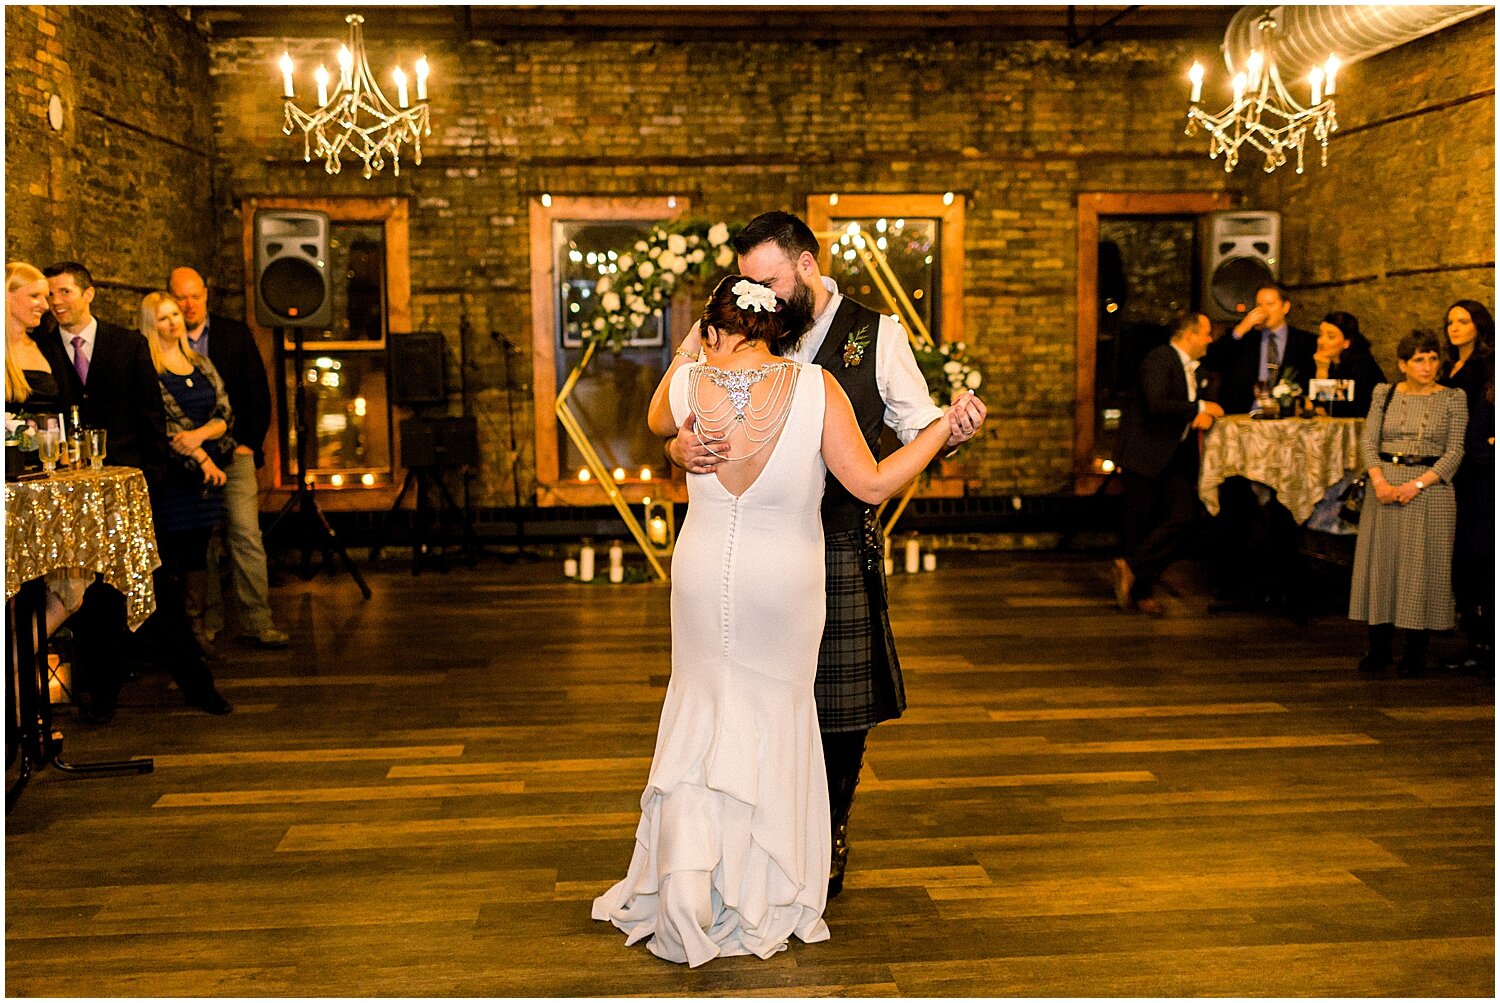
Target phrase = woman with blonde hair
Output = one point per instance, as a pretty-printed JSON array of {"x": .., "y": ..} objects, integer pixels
[
  {"x": 30, "y": 383},
  {"x": 189, "y": 504}
]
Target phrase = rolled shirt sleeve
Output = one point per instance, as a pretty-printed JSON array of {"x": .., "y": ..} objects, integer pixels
[{"x": 908, "y": 405}]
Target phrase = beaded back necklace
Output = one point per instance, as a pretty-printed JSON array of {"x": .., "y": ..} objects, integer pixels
[{"x": 760, "y": 424}]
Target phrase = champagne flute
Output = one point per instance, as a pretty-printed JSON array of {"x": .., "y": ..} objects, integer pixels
[
  {"x": 94, "y": 442},
  {"x": 49, "y": 447}
]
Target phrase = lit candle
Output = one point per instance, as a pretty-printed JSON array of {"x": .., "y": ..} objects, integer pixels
[
  {"x": 1239, "y": 90},
  {"x": 616, "y": 556},
  {"x": 890, "y": 567},
  {"x": 422, "y": 79},
  {"x": 929, "y": 561},
  {"x": 1317, "y": 85},
  {"x": 656, "y": 529},
  {"x": 616, "y": 574},
  {"x": 947, "y": 198},
  {"x": 645, "y": 473},
  {"x": 583, "y": 475},
  {"x": 400, "y": 86},
  {"x": 1330, "y": 72},
  {"x": 619, "y": 473},
  {"x": 286, "y": 75},
  {"x": 346, "y": 68},
  {"x": 586, "y": 562},
  {"x": 913, "y": 556},
  {"x": 1256, "y": 62},
  {"x": 1196, "y": 76},
  {"x": 833, "y": 199},
  {"x": 570, "y": 568},
  {"x": 321, "y": 76}
]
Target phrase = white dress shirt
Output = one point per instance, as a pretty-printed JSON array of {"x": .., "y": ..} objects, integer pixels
[
  {"x": 1190, "y": 369},
  {"x": 87, "y": 334},
  {"x": 908, "y": 405}
]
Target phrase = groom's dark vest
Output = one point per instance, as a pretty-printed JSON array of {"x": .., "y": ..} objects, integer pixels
[{"x": 841, "y": 510}]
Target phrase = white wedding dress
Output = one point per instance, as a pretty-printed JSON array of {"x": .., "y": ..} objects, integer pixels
[{"x": 732, "y": 851}]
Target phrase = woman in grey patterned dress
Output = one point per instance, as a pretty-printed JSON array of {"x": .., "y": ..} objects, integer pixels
[{"x": 1411, "y": 445}]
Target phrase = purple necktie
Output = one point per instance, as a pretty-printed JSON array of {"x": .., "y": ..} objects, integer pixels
[{"x": 80, "y": 361}]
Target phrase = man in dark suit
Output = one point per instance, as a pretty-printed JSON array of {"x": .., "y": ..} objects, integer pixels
[
  {"x": 231, "y": 347},
  {"x": 110, "y": 376},
  {"x": 1262, "y": 346},
  {"x": 1159, "y": 458}
]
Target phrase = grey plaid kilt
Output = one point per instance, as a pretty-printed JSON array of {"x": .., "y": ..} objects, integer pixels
[{"x": 858, "y": 683}]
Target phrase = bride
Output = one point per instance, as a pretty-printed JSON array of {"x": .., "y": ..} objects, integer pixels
[{"x": 731, "y": 853}]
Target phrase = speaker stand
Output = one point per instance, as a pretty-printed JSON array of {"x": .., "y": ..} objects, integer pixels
[
  {"x": 313, "y": 530},
  {"x": 523, "y": 552},
  {"x": 424, "y": 479}
]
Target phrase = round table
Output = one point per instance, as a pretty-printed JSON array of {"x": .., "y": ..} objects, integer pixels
[{"x": 1299, "y": 457}]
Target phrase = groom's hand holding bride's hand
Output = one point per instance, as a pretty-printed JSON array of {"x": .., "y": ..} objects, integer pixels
[{"x": 964, "y": 418}]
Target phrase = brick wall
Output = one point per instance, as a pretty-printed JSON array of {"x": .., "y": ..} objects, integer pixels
[
  {"x": 126, "y": 186},
  {"x": 1019, "y": 129},
  {"x": 1402, "y": 220}
]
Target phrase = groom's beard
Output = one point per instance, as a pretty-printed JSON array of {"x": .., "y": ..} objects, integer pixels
[{"x": 798, "y": 316}]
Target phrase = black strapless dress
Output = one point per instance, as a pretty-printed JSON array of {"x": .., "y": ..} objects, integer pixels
[{"x": 45, "y": 396}]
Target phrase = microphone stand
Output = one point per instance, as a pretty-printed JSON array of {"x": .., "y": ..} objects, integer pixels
[{"x": 523, "y": 552}]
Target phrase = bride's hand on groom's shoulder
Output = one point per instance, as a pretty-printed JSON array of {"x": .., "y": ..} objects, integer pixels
[{"x": 965, "y": 416}]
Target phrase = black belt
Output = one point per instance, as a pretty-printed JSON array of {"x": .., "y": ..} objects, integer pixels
[{"x": 1408, "y": 460}]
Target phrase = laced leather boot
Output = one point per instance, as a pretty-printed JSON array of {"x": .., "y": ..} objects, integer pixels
[{"x": 844, "y": 755}]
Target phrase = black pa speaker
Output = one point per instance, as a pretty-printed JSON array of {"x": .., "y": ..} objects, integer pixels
[
  {"x": 446, "y": 443},
  {"x": 1242, "y": 252},
  {"x": 291, "y": 269},
  {"x": 418, "y": 372}
]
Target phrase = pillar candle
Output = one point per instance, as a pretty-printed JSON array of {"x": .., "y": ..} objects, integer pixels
[
  {"x": 929, "y": 561},
  {"x": 586, "y": 563},
  {"x": 570, "y": 568},
  {"x": 890, "y": 567},
  {"x": 616, "y": 555},
  {"x": 913, "y": 556},
  {"x": 616, "y": 574}
]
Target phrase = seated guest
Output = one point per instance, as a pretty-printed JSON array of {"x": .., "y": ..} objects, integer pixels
[
  {"x": 1411, "y": 446},
  {"x": 1469, "y": 365},
  {"x": 30, "y": 384},
  {"x": 1344, "y": 354},
  {"x": 106, "y": 370},
  {"x": 189, "y": 504},
  {"x": 1159, "y": 457}
]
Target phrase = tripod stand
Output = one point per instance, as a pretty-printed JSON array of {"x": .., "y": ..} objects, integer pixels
[
  {"x": 312, "y": 527},
  {"x": 431, "y": 446},
  {"x": 523, "y": 552}
]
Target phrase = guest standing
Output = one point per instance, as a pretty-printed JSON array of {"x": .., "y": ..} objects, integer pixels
[
  {"x": 189, "y": 504},
  {"x": 1344, "y": 354},
  {"x": 231, "y": 348},
  {"x": 1411, "y": 446},
  {"x": 1262, "y": 347},
  {"x": 30, "y": 384},
  {"x": 106, "y": 370},
  {"x": 1469, "y": 365},
  {"x": 1159, "y": 457}
]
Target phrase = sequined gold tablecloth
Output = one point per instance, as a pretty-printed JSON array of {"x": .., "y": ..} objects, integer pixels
[
  {"x": 1300, "y": 458},
  {"x": 87, "y": 520}
]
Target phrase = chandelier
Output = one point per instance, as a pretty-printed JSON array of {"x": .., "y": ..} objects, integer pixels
[
  {"x": 357, "y": 118},
  {"x": 1263, "y": 115}
]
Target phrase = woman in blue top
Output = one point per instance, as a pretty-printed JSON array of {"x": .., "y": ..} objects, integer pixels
[{"x": 190, "y": 502}]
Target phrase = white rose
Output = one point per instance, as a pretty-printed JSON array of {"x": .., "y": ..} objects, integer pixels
[
  {"x": 667, "y": 259},
  {"x": 718, "y": 234},
  {"x": 1281, "y": 390},
  {"x": 677, "y": 243},
  {"x": 602, "y": 286},
  {"x": 654, "y": 252},
  {"x": 679, "y": 266},
  {"x": 973, "y": 380},
  {"x": 611, "y": 302},
  {"x": 640, "y": 245},
  {"x": 626, "y": 262},
  {"x": 598, "y": 323},
  {"x": 657, "y": 311},
  {"x": 667, "y": 279},
  {"x": 952, "y": 367},
  {"x": 637, "y": 319},
  {"x": 637, "y": 305},
  {"x": 725, "y": 255},
  {"x": 695, "y": 257},
  {"x": 647, "y": 269}
]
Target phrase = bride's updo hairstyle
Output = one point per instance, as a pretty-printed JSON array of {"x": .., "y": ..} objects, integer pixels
[{"x": 744, "y": 307}]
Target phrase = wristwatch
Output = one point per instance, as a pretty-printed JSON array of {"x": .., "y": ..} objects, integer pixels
[{"x": 1419, "y": 484}]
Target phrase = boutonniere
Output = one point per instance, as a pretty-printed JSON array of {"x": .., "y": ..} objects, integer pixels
[{"x": 854, "y": 348}]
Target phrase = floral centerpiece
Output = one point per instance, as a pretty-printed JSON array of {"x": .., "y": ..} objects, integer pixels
[{"x": 682, "y": 252}]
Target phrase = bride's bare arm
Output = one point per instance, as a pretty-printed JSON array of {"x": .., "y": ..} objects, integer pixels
[
  {"x": 659, "y": 417},
  {"x": 849, "y": 459}
]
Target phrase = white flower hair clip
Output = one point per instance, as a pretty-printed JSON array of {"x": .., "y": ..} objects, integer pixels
[{"x": 754, "y": 295}]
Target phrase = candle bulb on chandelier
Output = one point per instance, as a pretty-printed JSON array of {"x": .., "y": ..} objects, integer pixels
[
  {"x": 1317, "y": 85},
  {"x": 321, "y": 76},
  {"x": 286, "y": 75},
  {"x": 346, "y": 68},
  {"x": 1330, "y": 70},
  {"x": 400, "y": 87},
  {"x": 422, "y": 71},
  {"x": 1196, "y": 76},
  {"x": 1239, "y": 90},
  {"x": 1255, "y": 64}
]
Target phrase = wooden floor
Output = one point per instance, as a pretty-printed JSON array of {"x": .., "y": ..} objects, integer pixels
[{"x": 423, "y": 795}]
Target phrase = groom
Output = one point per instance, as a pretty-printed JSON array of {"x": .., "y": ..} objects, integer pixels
[{"x": 858, "y": 683}]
